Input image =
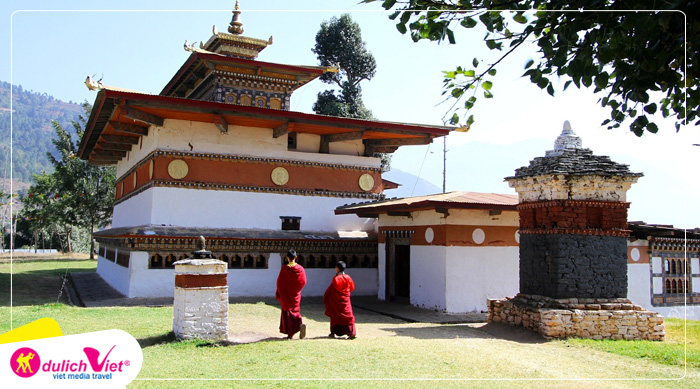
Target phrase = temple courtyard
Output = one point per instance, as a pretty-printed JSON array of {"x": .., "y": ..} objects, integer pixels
[{"x": 397, "y": 345}]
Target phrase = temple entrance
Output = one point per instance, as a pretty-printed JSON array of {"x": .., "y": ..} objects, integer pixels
[{"x": 398, "y": 269}]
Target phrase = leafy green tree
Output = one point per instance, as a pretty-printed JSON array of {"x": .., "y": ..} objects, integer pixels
[
  {"x": 81, "y": 194},
  {"x": 641, "y": 62},
  {"x": 339, "y": 43}
]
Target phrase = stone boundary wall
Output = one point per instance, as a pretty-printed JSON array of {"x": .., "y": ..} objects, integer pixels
[{"x": 590, "y": 318}]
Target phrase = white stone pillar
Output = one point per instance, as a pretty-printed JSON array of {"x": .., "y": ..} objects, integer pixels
[{"x": 200, "y": 308}]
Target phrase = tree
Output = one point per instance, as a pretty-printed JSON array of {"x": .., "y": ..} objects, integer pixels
[
  {"x": 639, "y": 61},
  {"x": 76, "y": 193},
  {"x": 339, "y": 43}
]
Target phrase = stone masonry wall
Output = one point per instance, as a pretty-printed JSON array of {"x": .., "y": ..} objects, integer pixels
[
  {"x": 565, "y": 266},
  {"x": 584, "y": 318},
  {"x": 200, "y": 313}
]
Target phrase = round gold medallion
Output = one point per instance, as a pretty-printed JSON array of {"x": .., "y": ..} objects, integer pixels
[
  {"x": 280, "y": 176},
  {"x": 178, "y": 169},
  {"x": 150, "y": 170},
  {"x": 366, "y": 182}
]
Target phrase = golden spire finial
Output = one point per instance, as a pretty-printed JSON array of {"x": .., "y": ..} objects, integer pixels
[{"x": 236, "y": 27}]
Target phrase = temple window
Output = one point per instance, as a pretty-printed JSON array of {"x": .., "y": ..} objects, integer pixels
[
  {"x": 292, "y": 141},
  {"x": 291, "y": 223},
  {"x": 155, "y": 262},
  {"x": 123, "y": 258},
  {"x": 326, "y": 261}
]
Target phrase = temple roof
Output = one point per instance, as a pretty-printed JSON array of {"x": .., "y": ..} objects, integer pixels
[
  {"x": 199, "y": 65},
  {"x": 119, "y": 118},
  {"x": 641, "y": 230},
  {"x": 160, "y": 231},
  {"x": 442, "y": 201},
  {"x": 570, "y": 158}
]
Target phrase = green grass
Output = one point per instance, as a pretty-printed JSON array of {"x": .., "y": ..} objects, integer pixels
[
  {"x": 386, "y": 348},
  {"x": 673, "y": 351}
]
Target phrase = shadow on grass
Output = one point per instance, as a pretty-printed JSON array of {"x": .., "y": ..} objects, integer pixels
[
  {"x": 35, "y": 287},
  {"x": 473, "y": 331},
  {"x": 44, "y": 260},
  {"x": 157, "y": 340}
]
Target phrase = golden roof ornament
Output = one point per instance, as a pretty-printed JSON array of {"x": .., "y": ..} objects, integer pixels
[{"x": 236, "y": 27}]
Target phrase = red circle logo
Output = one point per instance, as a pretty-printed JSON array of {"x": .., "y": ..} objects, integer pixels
[{"x": 25, "y": 362}]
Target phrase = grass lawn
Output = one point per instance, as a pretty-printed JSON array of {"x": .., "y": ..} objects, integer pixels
[{"x": 385, "y": 349}]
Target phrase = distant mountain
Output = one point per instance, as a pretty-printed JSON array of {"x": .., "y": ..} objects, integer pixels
[
  {"x": 410, "y": 185},
  {"x": 32, "y": 113}
]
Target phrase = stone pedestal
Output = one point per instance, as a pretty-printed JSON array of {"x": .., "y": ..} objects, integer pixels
[
  {"x": 200, "y": 307},
  {"x": 584, "y": 318}
]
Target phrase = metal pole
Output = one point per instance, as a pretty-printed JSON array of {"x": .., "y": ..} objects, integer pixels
[{"x": 444, "y": 164}]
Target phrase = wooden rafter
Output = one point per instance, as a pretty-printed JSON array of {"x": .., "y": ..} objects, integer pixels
[
  {"x": 280, "y": 130},
  {"x": 421, "y": 140},
  {"x": 114, "y": 146},
  {"x": 109, "y": 153},
  {"x": 143, "y": 117},
  {"x": 129, "y": 128},
  {"x": 222, "y": 124},
  {"x": 122, "y": 139}
]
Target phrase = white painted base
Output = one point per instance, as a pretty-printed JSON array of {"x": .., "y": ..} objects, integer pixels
[
  {"x": 117, "y": 276},
  {"x": 457, "y": 279},
  {"x": 140, "y": 281},
  {"x": 200, "y": 313},
  {"x": 475, "y": 274}
]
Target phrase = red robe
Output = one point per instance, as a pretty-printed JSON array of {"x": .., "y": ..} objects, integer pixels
[
  {"x": 289, "y": 285},
  {"x": 338, "y": 305}
]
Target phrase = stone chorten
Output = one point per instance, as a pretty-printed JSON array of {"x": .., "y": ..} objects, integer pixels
[{"x": 573, "y": 246}]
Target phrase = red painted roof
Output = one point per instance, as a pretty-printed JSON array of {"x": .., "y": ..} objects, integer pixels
[
  {"x": 451, "y": 200},
  {"x": 110, "y": 105}
]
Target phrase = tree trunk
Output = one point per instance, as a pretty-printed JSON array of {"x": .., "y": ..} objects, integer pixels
[
  {"x": 68, "y": 245},
  {"x": 92, "y": 242}
]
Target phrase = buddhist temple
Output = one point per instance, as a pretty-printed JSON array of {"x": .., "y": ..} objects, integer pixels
[{"x": 218, "y": 153}]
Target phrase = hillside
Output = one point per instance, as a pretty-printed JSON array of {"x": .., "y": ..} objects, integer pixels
[{"x": 31, "y": 130}]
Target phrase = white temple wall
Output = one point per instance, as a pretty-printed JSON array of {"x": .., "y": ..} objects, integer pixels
[
  {"x": 178, "y": 135},
  {"x": 428, "y": 277},
  {"x": 638, "y": 285},
  {"x": 228, "y": 209},
  {"x": 136, "y": 211},
  {"x": 115, "y": 275},
  {"x": 475, "y": 274},
  {"x": 147, "y": 282}
]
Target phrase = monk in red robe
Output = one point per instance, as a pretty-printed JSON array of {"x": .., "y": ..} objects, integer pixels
[
  {"x": 338, "y": 305},
  {"x": 290, "y": 282}
]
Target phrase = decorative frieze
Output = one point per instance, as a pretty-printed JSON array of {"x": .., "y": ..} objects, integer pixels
[{"x": 247, "y": 174}]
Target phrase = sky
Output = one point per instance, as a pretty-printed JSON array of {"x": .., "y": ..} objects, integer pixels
[{"x": 53, "y": 46}]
